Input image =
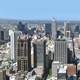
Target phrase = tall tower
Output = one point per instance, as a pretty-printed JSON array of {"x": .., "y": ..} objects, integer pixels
[
  {"x": 24, "y": 53},
  {"x": 54, "y": 28},
  {"x": 4, "y": 35},
  {"x": 67, "y": 30},
  {"x": 13, "y": 40},
  {"x": 61, "y": 51},
  {"x": 40, "y": 53}
]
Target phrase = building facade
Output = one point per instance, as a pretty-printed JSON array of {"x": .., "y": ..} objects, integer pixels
[
  {"x": 54, "y": 29},
  {"x": 24, "y": 53},
  {"x": 67, "y": 30},
  {"x": 39, "y": 52},
  {"x": 55, "y": 66},
  {"x": 61, "y": 51},
  {"x": 13, "y": 40},
  {"x": 48, "y": 28},
  {"x": 40, "y": 58},
  {"x": 4, "y": 35}
]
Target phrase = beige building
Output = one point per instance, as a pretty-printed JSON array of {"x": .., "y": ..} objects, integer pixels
[
  {"x": 61, "y": 52},
  {"x": 24, "y": 53}
]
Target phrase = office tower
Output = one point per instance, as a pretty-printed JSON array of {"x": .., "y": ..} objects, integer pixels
[
  {"x": 13, "y": 40},
  {"x": 77, "y": 43},
  {"x": 40, "y": 29},
  {"x": 54, "y": 29},
  {"x": 40, "y": 53},
  {"x": 68, "y": 34},
  {"x": 67, "y": 30},
  {"x": 59, "y": 33},
  {"x": 60, "y": 51},
  {"x": 4, "y": 35},
  {"x": 21, "y": 27},
  {"x": 48, "y": 28},
  {"x": 24, "y": 53},
  {"x": 77, "y": 29},
  {"x": 34, "y": 55}
]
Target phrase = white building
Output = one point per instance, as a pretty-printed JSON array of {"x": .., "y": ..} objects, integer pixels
[
  {"x": 54, "y": 29},
  {"x": 13, "y": 37},
  {"x": 55, "y": 66},
  {"x": 61, "y": 75}
]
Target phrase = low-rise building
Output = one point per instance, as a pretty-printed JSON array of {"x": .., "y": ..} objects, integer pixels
[
  {"x": 61, "y": 74},
  {"x": 71, "y": 72},
  {"x": 55, "y": 66}
]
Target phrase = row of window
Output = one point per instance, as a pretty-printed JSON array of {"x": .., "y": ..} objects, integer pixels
[{"x": 22, "y": 65}]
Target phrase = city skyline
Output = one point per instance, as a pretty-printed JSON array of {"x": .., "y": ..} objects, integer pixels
[{"x": 39, "y": 40}]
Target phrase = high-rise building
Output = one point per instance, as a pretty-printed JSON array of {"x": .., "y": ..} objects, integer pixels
[
  {"x": 24, "y": 53},
  {"x": 34, "y": 55},
  {"x": 13, "y": 40},
  {"x": 48, "y": 28},
  {"x": 61, "y": 52},
  {"x": 21, "y": 27},
  {"x": 54, "y": 29},
  {"x": 4, "y": 35},
  {"x": 67, "y": 30},
  {"x": 40, "y": 53}
]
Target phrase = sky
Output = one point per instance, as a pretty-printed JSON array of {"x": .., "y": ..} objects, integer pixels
[{"x": 40, "y": 9}]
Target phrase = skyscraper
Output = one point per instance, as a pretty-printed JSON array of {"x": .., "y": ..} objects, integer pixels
[
  {"x": 67, "y": 30},
  {"x": 24, "y": 53},
  {"x": 21, "y": 27},
  {"x": 13, "y": 40},
  {"x": 54, "y": 29},
  {"x": 4, "y": 35},
  {"x": 40, "y": 53},
  {"x": 48, "y": 28},
  {"x": 61, "y": 51}
]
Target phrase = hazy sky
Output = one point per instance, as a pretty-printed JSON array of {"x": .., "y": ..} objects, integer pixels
[{"x": 40, "y": 9}]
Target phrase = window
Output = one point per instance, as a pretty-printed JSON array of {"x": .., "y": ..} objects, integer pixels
[{"x": 21, "y": 44}]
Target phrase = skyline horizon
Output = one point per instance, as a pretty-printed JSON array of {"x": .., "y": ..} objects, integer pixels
[{"x": 50, "y": 19}]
